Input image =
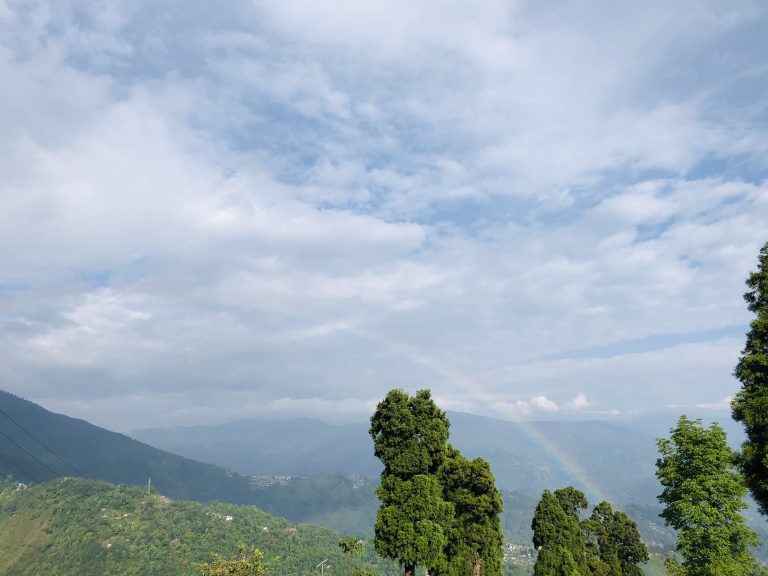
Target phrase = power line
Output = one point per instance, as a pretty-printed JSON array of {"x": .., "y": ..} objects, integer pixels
[
  {"x": 18, "y": 467},
  {"x": 35, "y": 458},
  {"x": 28, "y": 433}
]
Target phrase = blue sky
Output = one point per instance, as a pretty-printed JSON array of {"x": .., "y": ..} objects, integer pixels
[{"x": 537, "y": 210}]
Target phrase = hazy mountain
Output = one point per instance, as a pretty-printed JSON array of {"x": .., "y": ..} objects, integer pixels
[{"x": 601, "y": 458}]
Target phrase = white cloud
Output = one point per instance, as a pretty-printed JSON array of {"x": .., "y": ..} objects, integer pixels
[
  {"x": 721, "y": 405},
  {"x": 531, "y": 407},
  {"x": 303, "y": 202},
  {"x": 580, "y": 402}
]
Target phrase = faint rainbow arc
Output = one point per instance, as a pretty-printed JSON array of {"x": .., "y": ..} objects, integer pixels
[{"x": 555, "y": 452}]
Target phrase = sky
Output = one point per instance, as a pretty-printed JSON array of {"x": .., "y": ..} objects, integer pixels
[{"x": 216, "y": 211}]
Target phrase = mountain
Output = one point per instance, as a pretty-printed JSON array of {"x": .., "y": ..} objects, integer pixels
[
  {"x": 37, "y": 445},
  {"x": 84, "y": 527},
  {"x": 273, "y": 447},
  {"x": 601, "y": 458}
]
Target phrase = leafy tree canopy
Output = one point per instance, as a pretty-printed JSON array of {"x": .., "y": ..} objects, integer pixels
[
  {"x": 244, "y": 564},
  {"x": 703, "y": 495}
]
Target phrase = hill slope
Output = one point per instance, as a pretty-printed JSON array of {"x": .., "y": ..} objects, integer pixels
[
  {"x": 97, "y": 453},
  {"x": 76, "y": 526}
]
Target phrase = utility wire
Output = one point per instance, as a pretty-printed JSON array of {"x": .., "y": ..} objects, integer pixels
[
  {"x": 35, "y": 458},
  {"x": 28, "y": 433},
  {"x": 19, "y": 468}
]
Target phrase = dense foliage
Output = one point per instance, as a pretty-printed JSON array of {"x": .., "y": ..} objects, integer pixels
[
  {"x": 410, "y": 436},
  {"x": 703, "y": 495},
  {"x": 438, "y": 509},
  {"x": 75, "y": 526},
  {"x": 750, "y": 406},
  {"x": 475, "y": 540},
  {"x": 244, "y": 564},
  {"x": 613, "y": 542},
  {"x": 605, "y": 544}
]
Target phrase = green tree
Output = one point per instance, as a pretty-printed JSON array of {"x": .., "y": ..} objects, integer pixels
[
  {"x": 557, "y": 534},
  {"x": 703, "y": 495},
  {"x": 410, "y": 435},
  {"x": 353, "y": 545},
  {"x": 356, "y": 545},
  {"x": 613, "y": 539},
  {"x": 750, "y": 406},
  {"x": 475, "y": 541},
  {"x": 244, "y": 564}
]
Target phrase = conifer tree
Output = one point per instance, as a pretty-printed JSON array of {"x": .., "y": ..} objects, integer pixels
[
  {"x": 475, "y": 541},
  {"x": 750, "y": 406},
  {"x": 410, "y": 435},
  {"x": 605, "y": 544},
  {"x": 613, "y": 539},
  {"x": 557, "y": 534}
]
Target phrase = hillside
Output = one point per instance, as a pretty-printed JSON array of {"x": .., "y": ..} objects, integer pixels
[
  {"x": 96, "y": 453},
  {"x": 76, "y": 526}
]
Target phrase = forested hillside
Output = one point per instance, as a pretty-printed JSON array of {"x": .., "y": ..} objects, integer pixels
[{"x": 75, "y": 526}]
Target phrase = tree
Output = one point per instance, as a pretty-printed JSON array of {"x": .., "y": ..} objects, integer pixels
[
  {"x": 750, "y": 406},
  {"x": 355, "y": 545},
  {"x": 605, "y": 544},
  {"x": 557, "y": 534},
  {"x": 410, "y": 435},
  {"x": 475, "y": 541},
  {"x": 244, "y": 564},
  {"x": 614, "y": 546},
  {"x": 703, "y": 495}
]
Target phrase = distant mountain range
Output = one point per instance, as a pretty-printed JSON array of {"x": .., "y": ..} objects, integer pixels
[
  {"x": 333, "y": 473},
  {"x": 601, "y": 458}
]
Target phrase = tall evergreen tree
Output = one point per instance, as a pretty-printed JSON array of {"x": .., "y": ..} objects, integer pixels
[
  {"x": 410, "y": 436},
  {"x": 613, "y": 539},
  {"x": 703, "y": 495},
  {"x": 750, "y": 406},
  {"x": 605, "y": 544},
  {"x": 475, "y": 541},
  {"x": 557, "y": 535}
]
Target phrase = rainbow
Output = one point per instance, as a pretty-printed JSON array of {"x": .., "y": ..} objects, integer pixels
[{"x": 473, "y": 389}]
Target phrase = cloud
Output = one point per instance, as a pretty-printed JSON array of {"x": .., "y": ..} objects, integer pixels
[
  {"x": 580, "y": 402},
  {"x": 721, "y": 405},
  {"x": 283, "y": 205},
  {"x": 539, "y": 404}
]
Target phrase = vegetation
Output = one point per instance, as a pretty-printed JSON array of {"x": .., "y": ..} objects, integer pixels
[
  {"x": 613, "y": 539},
  {"x": 244, "y": 564},
  {"x": 438, "y": 509},
  {"x": 605, "y": 544},
  {"x": 90, "y": 528},
  {"x": 410, "y": 435},
  {"x": 750, "y": 406},
  {"x": 703, "y": 495},
  {"x": 475, "y": 540}
]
